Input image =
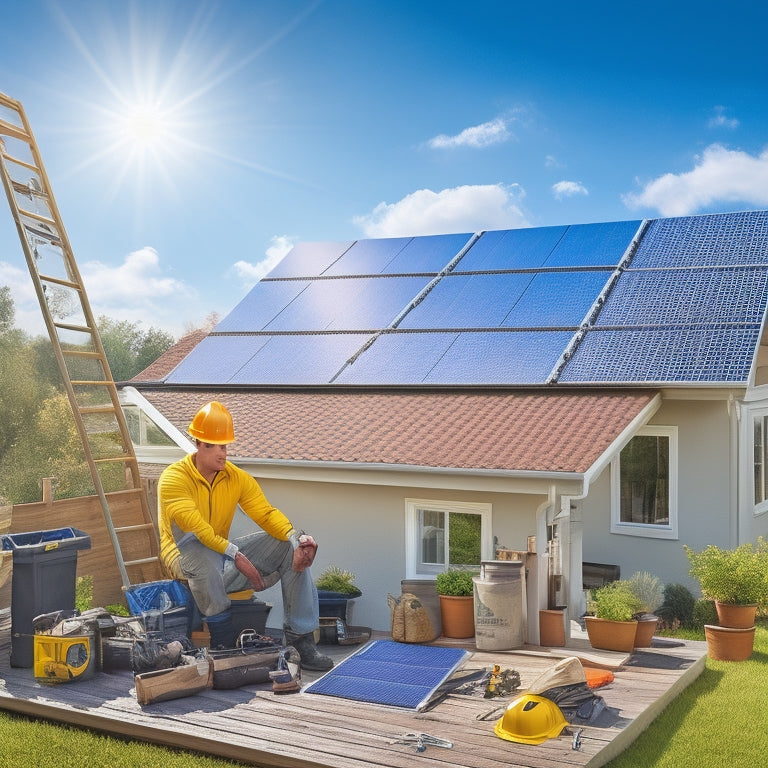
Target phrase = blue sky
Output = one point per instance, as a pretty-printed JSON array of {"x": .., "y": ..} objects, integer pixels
[{"x": 190, "y": 144}]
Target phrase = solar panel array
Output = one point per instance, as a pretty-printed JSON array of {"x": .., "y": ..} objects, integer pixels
[{"x": 667, "y": 301}]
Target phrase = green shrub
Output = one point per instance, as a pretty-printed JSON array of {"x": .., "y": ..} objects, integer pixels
[
  {"x": 738, "y": 576},
  {"x": 84, "y": 593},
  {"x": 704, "y": 612},
  {"x": 648, "y": 589},
  {"x": 677, "y": 606},
  {"x": 616, "y": 602},
  {"x": 455, "y": 583},
  {"x": 335, "y": 579}
]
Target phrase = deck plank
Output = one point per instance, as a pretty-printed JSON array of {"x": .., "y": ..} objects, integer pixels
[{"x": 308, "y": 730}]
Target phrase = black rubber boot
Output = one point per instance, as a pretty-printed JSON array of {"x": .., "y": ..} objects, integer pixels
[
  {"x": 222, "y": 630},
  {"x": 311, "y": 658}
]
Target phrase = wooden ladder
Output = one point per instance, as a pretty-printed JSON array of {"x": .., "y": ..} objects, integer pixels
[{"x": 76, "y": 344}]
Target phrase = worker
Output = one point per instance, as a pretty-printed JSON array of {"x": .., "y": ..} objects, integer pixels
[{"x": 197, "y": 499}]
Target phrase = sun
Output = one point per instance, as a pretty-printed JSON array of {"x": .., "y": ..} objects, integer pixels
[{"x": 145, "y": 126}]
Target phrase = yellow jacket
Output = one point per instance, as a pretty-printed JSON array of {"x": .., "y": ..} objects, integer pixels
[{"x": 187, "y": 501}]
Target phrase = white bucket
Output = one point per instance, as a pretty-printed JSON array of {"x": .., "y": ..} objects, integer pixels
[{"x": 499, "y": 605}]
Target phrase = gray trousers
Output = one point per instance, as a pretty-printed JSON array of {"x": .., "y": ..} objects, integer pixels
[{"x": 212, "y": 576}]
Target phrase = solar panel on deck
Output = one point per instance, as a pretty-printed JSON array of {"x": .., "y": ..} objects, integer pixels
[
  {"x": 262, "y": 304},
  {"x": 658, "y": 355},
  {"x": 302, "y": 359},
  {"x": 656, "y": 297},
  {"x": 585, "y": 245},
  {"x": 511, "y": 249},
  {"x": 216, "y": 359},
  {"x": 309, "y": 259},
  {"x": 716, "y": 239},
  {"x": 353, "y": 303}
]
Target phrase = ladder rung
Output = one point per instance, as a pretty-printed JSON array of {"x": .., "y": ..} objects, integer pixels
[
  {"x": 112, "y": 459},
  {"x": 139, "y": 527},
  {"x": 51, "y": 237},
  {"x": 14, "y": 131},
  {"x": 89, "y": 409},
  {"x": 129, "y": 563},
  {"x": 61, "y": 281},
  {"x": 100, "y": 383},
  {"x": 38, "y": 217},
  {"x": 79, "y": 353}
]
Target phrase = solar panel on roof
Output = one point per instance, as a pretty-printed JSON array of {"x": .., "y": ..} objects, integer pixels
[
  {"x": 716, "y": 239},
  {"x": 309, "y": 259},
  {"x": 368, "y": 257},
  {"x": 658, "y": 355},
  {"x": 299, "y": 359},
  {"x": 429, "y": 253},
  {"x": 657, "y": 297},
  {"x": 585, "y": 245},
  {"x": 216, "y": 359},
  {"x": 262, "y": 304},
  {"x": 352, "y": 303},
  {"x": 511, "y": 249}
]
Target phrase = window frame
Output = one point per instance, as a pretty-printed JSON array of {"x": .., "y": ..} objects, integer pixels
[
  {"x": 761, "y": 416},
  {"x": 648, "y": 530},
  {"x": 413, "y": 563}
]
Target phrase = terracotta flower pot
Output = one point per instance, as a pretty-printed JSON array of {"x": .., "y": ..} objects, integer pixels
[
  {"x": 611, "y": 635},
  {"x": 458, "y": 616},
  {"x": 729, "y": 643},
  {"x": 736, "y": 616},
  {"x": 552, "y": 627},
  {"x": 646, "y": 629}
]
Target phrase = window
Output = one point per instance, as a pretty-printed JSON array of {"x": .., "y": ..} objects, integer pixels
[
  {"x": 760, "y": 422},
  {"x": 440, "y": 534},
  {"x": 644, "y": 485},
  {"x": 143, "y": 430}
]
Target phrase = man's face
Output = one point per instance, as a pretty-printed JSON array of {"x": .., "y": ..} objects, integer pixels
[{"x": 210, "y": 458}]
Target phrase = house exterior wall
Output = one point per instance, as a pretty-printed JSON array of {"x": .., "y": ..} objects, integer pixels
[
  {"x": 705, "y": 498},
  {"x": 362, "y": 528}
]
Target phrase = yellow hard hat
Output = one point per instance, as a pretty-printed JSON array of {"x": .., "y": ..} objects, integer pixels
[
  {"x": 213, "y": 424},
  {"x": 530, "y": 719}
]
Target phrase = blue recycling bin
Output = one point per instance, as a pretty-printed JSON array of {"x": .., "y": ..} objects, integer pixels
[{"x": 43, "y": 580}]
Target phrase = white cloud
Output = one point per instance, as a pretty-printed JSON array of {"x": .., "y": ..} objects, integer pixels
[
  {"x": 495, "y": 131},
  {"x": 568, "y": 189},
  {"x": 550, "y": 161},
  {"x": 719, "y": 176},
  {"x": 250, "y": 274},
  {"x": 460, "y": 209},
  {"x": 721, "y": 120}
]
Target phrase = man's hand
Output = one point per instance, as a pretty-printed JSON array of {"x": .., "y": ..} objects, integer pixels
[
  {"x": 248, "y": 569},
  {"x": 304, "y": 554}
]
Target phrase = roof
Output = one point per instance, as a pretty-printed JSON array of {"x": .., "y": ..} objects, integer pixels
[
  {"x": 664, "y": 302},
  {"x": 522, "y": 431},
  {"x": 164, "y": 364}
]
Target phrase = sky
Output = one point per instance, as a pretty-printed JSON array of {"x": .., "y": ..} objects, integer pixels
[{"x": 190, "y": 144}]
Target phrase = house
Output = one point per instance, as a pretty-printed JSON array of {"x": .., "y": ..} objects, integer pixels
[{"x": 599, "y": 387}]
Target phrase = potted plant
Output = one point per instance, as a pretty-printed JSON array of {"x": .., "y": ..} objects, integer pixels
[
  {"x": 335, "y": 588},
  {"x": 649, "y": 590},
  {"x": 613, "y": 626},
  {"x": 737, "y": 581},
  {"x": 457, "y": 603}
]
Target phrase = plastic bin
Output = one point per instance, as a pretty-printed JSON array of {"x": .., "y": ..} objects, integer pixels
[
  {"x": 43, "y": 580},
  {"x": 250, "y": 614},
  {"x": 168, "y": 596}
]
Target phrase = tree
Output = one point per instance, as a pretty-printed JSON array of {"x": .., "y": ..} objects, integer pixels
[
  {"x": 130, "y": 350},
  {"x": 7, "y": 310}
]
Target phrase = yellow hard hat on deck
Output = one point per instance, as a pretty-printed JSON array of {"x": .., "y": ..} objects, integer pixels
[
  {"x": 530, "y": 719},
  {"x": 213, "y": 424}
]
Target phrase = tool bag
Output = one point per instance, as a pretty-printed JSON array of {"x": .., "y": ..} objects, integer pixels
[
  {"x": 248, "y": 663},
  {"x": 194, "y": 675}
]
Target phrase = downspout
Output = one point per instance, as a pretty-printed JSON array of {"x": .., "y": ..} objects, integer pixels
[
  {"x": 537, "y": 590},
  {"x": 734, "y": 414}
]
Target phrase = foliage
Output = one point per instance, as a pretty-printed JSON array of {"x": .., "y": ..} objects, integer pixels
[
  {"x": 130, "y": 350},
  {"x": 648, "y": 589},
  {"x": 738, "y": 575},
  {"x": 335, "y": 579},
  {"x": 678, "y": 605},
  {"x": 84, "y": 593},
  {"x": 616, "y": 602},
  {"x": 456, "y": 583},
  {"x": 704, "y": 612},
  {"x": 117, "y": 609},
  {"x": 464, "y": 539}
]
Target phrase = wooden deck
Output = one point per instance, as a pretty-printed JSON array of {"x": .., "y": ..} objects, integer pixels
[{"x": 305, "y": 730}]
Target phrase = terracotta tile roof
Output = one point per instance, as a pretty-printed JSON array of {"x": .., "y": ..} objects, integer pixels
[
  {"x": 524, "y": 431},
  {"x": 171, "y": 357}
]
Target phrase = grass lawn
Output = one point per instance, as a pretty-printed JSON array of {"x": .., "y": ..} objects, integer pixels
[{"x": 717, "y": 721}]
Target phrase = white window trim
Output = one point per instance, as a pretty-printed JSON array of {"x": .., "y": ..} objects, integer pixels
[
  {"x": 647, "y": 530},
  {"x": 762, "y": 415},
  {"x": 412, "y": 507}
]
